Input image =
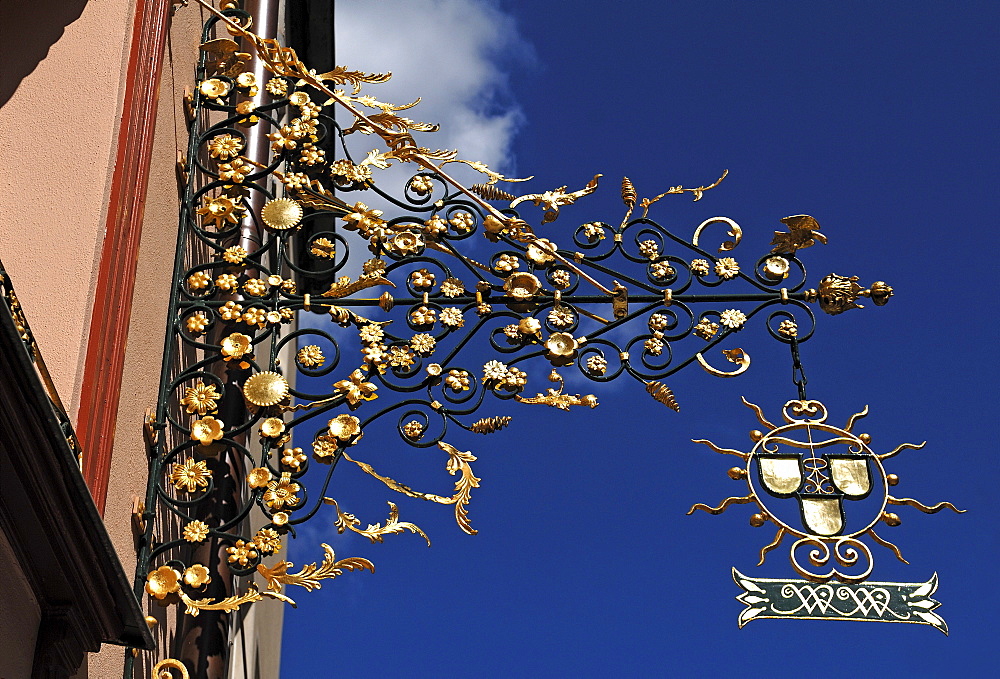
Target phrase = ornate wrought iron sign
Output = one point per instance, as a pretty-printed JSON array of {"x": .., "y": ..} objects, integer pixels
[
  {"x": 803, "y": 476},
  {"x": 266, "y": 242}
]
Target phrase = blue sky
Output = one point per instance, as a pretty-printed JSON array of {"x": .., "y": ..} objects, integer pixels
[{"x": 876, "y": 118}]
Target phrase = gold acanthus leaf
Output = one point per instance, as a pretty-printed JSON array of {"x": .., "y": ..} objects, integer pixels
[
  {"x": 550, "y": 201},
  {"x": 341, "y": 76},
  {"x": 488, "y": 425},
  {"x": 673, "y": 190},
  {"x": 372, "y": 102},
  {"x": 458, "y": 461},
  {"x": 345, "y": 286},
  {"x": 663, "y": 394},
  {"x": 311, "y": 575},
  {"x": 229, "y": 604},
  {"x": 482, "y": 167},
  {"x": 375, "y": 532}
]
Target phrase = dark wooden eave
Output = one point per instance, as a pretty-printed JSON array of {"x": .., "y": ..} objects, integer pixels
[{"x": 49, "y": 517}]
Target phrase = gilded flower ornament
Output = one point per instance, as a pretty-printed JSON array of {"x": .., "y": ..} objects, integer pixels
[
  {"x": 363, "y": 219},
  {"x": 235, "y": 170},
  {"x": 371, "y": 333},
  {"x": 506, "y": 263},
  {"x": 197, "y": 323},
  {"x": 727, "y": 268},
  {"x": 281, "y": 493},
  {"x": 422, "y": 185},
  {"x": 649, "y": 249},
  {"x": 197, "y": 576},
  {"x": 462, "y": 221},
  {"x": 201, "y": 398},
  {"x": 231, "y": 311},
  {"x": 195, "y": 531},
  {"x": 706, "y": 329},
  {"x": 457, "y": 380},
  {"x": 561, "y": 318},
  {"x": 435, "y": 227},
  {"x": 293, "y": 458},
  {"x": 452, "y": 317},
  {"x": 241, "y": 553},
  {"x": 225, "y": 146},
  {"x": 325, "y": 447},
  {"x": 423, "y": 316},
  {"x": 226, "y": 281},
  {"x": 540, "y": 252},
  {"x": 594, "y": 232},
  {"x": 422, "y": 278},
  {"x": 255, "y": 287},
  {"x": 323, "y": 247},
  {"x": 400, "y": 357},
  {"x": 355, "y": 389},
  {"x": 311, "y": 154},
  {"x": 413, "y": 430},
  {"x": 206, "y": 430},
  {"x": 236, "y": 345},
  {"x": 259, "y": 477},
  {"x": 733, "y": 318},
  {"x": 700, "y": 267},
  {"x": 277, "y": 87},
  {"x": 344, "y": 173},
  {"x": 561, "y": 344},
  {"x": 658, "y": 322},
  {"x": 234, "y": 254},
  {"x": 310, "y": 356},
  {"x": 272, "y": 427},
  {"x": 267, "y": 540},
  {"x": 406, "y": 243},
  {"x": 163, "y": 582},
  {"x": 653, "y": 346},
  {"x": 220, "y": 211},
  {"x": 199, "y": 280},
  {"x": 661, "y": 270},
  {"x": 598, "y": 365},
  {"x": 190, "y": 475},
  {"x": 452, "y": 287},
  {"x": 495, "y": 371},
  {"x": 345, "y": 428},
  {"x": 423, "y": 344},
  {"x": 788, "y": 328},
  {"x": 561, "y": 279}
]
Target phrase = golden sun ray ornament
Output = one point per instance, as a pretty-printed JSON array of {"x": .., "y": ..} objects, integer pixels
[{"x": 806, "y": 477}]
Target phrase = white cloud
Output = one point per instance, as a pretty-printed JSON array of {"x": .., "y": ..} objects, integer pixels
[{"x": 452, "y": 54}]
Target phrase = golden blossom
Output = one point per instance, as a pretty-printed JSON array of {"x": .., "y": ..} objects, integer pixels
[
  {"x": 727, "y": 268},
  {"x": 281, "y": 492},
  {"x": 206, "y": 430},
  {"x": 201, "y": 398},
  {"x": 199, "y": 280},
  {"x": 452, "y": 317},
  {"x": 225, "y": 147},
  {"x": 310, "y": 356},
  {"x": 220, "y": 211},
  {"x": 788, "y": 328},
  {"x": 699, "y": 267},
  {"x": 197, "y": 323},
  {"x": 235, "y": 254},
  {"x": 163, "y": 581},
  {"x": 345, "y": 427},
  {"x": 235, "y": 345},
  {"x": 355, "y": 389},
  {"x": 423, "y": 316},
  {"x": 733, "y": 318},
  {"x": 241, "y": 553},
  {"x": 190, "y": 475},
  {"x": 323, "y": 247},
  {"x": 267, "y": 540},
  {"x": 413, "y": 429},
  {"x": 422, "y": 278},
  {"x": 325, "y": 447},
  {"x": 422, "y": 343},
  {"x": 258, "y": 477},
  {"x": 197, "y": 576},
  {"x": 293, "y": 458},
  {"x": 706, "y": 329},
  {"x": 196, "y": 531},
  {"x": 561, "y": 344}
]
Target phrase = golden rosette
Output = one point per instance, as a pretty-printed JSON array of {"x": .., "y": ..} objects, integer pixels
[
  {"x": 265, "y": 389},
  {"x": 197, "y": 576},
  {"x": 258, "y": 477},
  {"x": 162, "y": 582},
  {"x": 281, "y": 214},
  {"x": 206, "y": 430},
  {"x": 345, "y": 427}
]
